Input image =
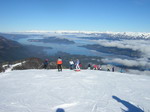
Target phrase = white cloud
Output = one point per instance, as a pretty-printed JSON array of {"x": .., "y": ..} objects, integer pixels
[
  {"x": 139, "y": 62},
  {"x": 140, "y": 45}
]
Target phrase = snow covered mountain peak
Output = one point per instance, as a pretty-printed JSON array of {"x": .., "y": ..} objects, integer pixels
[{"x": 144, "y": 35}]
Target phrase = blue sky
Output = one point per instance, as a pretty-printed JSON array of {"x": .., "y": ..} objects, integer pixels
[{"x": 84, "y": 15}]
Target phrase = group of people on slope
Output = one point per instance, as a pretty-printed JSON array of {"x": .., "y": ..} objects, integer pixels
[
  {"x": 77, "y": 65},
  {"x": 99, "y": 67},
  {"x": 73, "y": 64},
  {"x": 94, "y": 67},
  {"x": 59, "y": 64}
]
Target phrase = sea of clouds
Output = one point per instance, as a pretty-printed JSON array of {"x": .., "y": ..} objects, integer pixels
[{"x": 137, "y": 45}]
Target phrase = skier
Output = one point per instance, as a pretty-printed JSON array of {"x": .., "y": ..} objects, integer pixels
[
  {"x": 59, "y": 64},
  {"x": 77, "y": 64},
  {"x": 71, "y": 64},
  {"x": 45, "y": 64}
]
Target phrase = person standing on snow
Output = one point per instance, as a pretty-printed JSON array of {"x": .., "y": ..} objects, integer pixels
[
  {"x": 113, "y": 69},
  {"x": 71, "y": 64},
  {"x": 77, "y": 64},
  {"x": 59, "y": 64},
  {"x": 45, "y": 64}
]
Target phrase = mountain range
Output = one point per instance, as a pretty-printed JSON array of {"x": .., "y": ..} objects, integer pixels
[
  {"x": 11, "y": 50},
  {"x": 144, "y": 35},
  {"x": 126, "y": 45}
]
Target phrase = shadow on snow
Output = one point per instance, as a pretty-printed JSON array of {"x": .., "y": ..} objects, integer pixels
[
  {"x": 60, "y": 110},
  {"x": 131, "y": 107}
]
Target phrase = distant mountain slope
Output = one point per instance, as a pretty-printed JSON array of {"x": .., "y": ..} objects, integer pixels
[
  {"x": 13, "y": 36},
  {"x": 12, "y": 50},
  {"x": 91, "y": 35},
  {"x": 114, "y": 50},
  {"x": 52, "y": 40},
  {"x": 7, "y": 44}
]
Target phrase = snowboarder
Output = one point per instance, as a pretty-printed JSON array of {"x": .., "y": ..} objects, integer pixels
[
  {"x": 45, "y": 64},
  {"x": 77, "y": 64},
  {"x": 71, "y": 64},
  {"x": 59, "y": 64}
]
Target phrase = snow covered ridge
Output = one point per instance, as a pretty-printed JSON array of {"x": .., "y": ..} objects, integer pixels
[
  {"x": 131, "y": 34},
  {"x": 70, "y": 91},
  {"x": 145, "y": 35}
]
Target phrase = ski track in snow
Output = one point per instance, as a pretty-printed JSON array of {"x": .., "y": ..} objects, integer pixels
[
  {"x": 84, "y": 91},
  {"x": 66, "y": 105}
]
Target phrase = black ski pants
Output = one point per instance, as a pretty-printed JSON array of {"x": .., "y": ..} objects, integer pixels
[{"x": 59, "y": 67}]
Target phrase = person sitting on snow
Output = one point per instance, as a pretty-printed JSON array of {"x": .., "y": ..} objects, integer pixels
[
  {"x": 89, "y": 66},
  {"x": 95, "y": 67}
]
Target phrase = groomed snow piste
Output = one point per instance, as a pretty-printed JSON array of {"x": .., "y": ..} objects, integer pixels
[{"x": 70, "y": 91}]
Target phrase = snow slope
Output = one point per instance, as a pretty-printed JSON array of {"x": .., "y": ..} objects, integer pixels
[{"x": 70, "y": 91}]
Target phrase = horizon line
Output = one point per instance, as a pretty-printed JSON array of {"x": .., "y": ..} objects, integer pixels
[{"x": 73, "y": 31}]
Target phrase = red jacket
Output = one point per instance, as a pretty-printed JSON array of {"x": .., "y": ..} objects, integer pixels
[{"x": 59, "y": 61}]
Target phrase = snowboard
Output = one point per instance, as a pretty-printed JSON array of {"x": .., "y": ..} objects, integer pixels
[{"x": 77, "y": 70}]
